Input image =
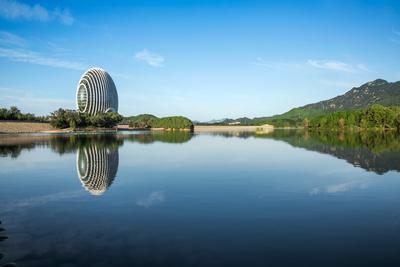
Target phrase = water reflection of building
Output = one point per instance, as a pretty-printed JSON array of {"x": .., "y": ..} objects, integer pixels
[{"x": 97, "y": 167}]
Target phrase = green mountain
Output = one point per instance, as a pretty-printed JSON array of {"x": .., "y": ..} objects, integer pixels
[{"x": 375, "y": 92}]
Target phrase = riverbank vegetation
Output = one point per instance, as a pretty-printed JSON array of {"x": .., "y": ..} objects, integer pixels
[
  {"x": 62, "y": 118},
  {"x": 14, "y": 114},
  {"x": 374, "y": 117}
]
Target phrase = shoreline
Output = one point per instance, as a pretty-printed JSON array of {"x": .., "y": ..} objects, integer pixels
[
  {"x": 7, "y": 127},
  {"x": 235, "y": 128}
]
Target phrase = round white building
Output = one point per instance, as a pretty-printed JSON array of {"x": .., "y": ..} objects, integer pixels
[{"x": 96, "y": 92}]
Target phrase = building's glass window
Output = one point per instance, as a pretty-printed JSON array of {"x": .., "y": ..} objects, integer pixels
[{"x": 82, "y": 98}]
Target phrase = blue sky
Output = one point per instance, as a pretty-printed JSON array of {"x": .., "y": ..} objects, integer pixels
[{"x": 201, "y": 59}]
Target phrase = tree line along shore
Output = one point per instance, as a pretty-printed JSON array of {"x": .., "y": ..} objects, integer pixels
[
  {"x": 61, "y": 120},
  {"x": 374, "y": 117}
]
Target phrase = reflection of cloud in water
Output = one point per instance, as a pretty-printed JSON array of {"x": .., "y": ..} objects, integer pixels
[
  {"x": 154, "y": 198},
  {"x": 340, "y": 187},
  {"x": 40, "y": 200},
  {"x": 97, "y": 167}
]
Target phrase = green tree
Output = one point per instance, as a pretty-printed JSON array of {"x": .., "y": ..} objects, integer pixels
[{"x": 13, "y": 113}]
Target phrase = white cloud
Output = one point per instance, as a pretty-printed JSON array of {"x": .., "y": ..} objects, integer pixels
[
  {"x": 319, "y": 64},
  {"x": 37, "y": 101},
  {"x": 277, "y": 65},
  {"x": 150, "y": 58},
  {"x": 362, "y": 67},
  {"x": 10, "y": 39},
  {"x": 341, "y": 83},
  {"x": 393, "y": 40},
  {"x": 153, "y": 198},
  {"x": 40, "y": 200},
  {"x": 27, "y": 56},
  {"x": 64, "y": 16},
  {"x": 396, "y": 37},
  {"x": 14, "y": 10},
  {"x": 330, "y": 65},
  {"x": 336, "y": 65},
  {"x": 28, "y": 103}
]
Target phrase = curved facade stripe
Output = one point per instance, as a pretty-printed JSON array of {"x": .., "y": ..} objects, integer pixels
[
  {"x": 96, "y": 92},
  {"x": 97, "y": 168}
]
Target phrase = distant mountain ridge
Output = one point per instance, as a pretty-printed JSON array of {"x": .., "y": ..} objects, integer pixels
[
  {"x": 375, "y": 92},
  {"x": 378, "y": 91}
]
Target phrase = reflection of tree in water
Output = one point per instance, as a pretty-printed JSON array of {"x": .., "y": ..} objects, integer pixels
[
  {"x": 12, "y": 146},
  {"x": 373, "y": 151},
  {"x": 14, "y": 151},
  {"x": 97, "y": 167},
  {"x": 376, "y": 151},
  {"x": 70, "y": 143},
  {"x": 244, "y": 135},
  {"x": 97, "y": 154},
  {"x": 175, "y": 137},
  {"x": 3, "y": 237}
]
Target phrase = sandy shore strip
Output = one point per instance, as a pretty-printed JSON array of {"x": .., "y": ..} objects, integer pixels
[
  {"x": 223, "y": 128},
  {"x": 37, "y": 127},
  {"x": 24, "y": 127}
]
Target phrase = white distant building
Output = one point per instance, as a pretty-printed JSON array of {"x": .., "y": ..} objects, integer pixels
[{"x": 96, "y": 92}]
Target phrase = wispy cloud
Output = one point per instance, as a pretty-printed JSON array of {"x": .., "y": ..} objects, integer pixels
[
  {"x": 10, "y": 39},
  {"x": 319, "y": 64},
  {"x": 340, "y": 187},
  {"x": 340, "y": 83},
  {"x": 13, "y": 47},
  {"x": 37, "y": 101},
  {"x": 150, "y": 58},
  {"x": 336, "y": 65},
  {"x": 14, "y": 10},
  {"x": 395, "y": 38},
  {"x": 153, "y": 198},
  {"x": 34, "y": 104},
  {"x": 40, "y": 200},
  {"x": 64, "y": 16},
  {"x": 277, "y": 65},
  {"x": 21, "y": 55}
]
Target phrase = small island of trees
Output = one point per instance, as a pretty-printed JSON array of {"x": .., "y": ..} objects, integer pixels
[{"x": 145, "y": 121}]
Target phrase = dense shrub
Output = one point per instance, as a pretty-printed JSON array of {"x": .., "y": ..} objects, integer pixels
[
  {"x": 151, "y": 121},
  {"x": 140, "y": 121},
  {"x": 174, "y": 122},
  {"x": 375, "y": 116},
  {"x": 62, "y": 118}
]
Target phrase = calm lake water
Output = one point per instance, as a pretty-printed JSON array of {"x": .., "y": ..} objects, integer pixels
[{"x": 287, "y": 198}]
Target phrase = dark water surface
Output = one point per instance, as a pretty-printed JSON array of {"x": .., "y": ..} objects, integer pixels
[{"x": 285, "y": 198}]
